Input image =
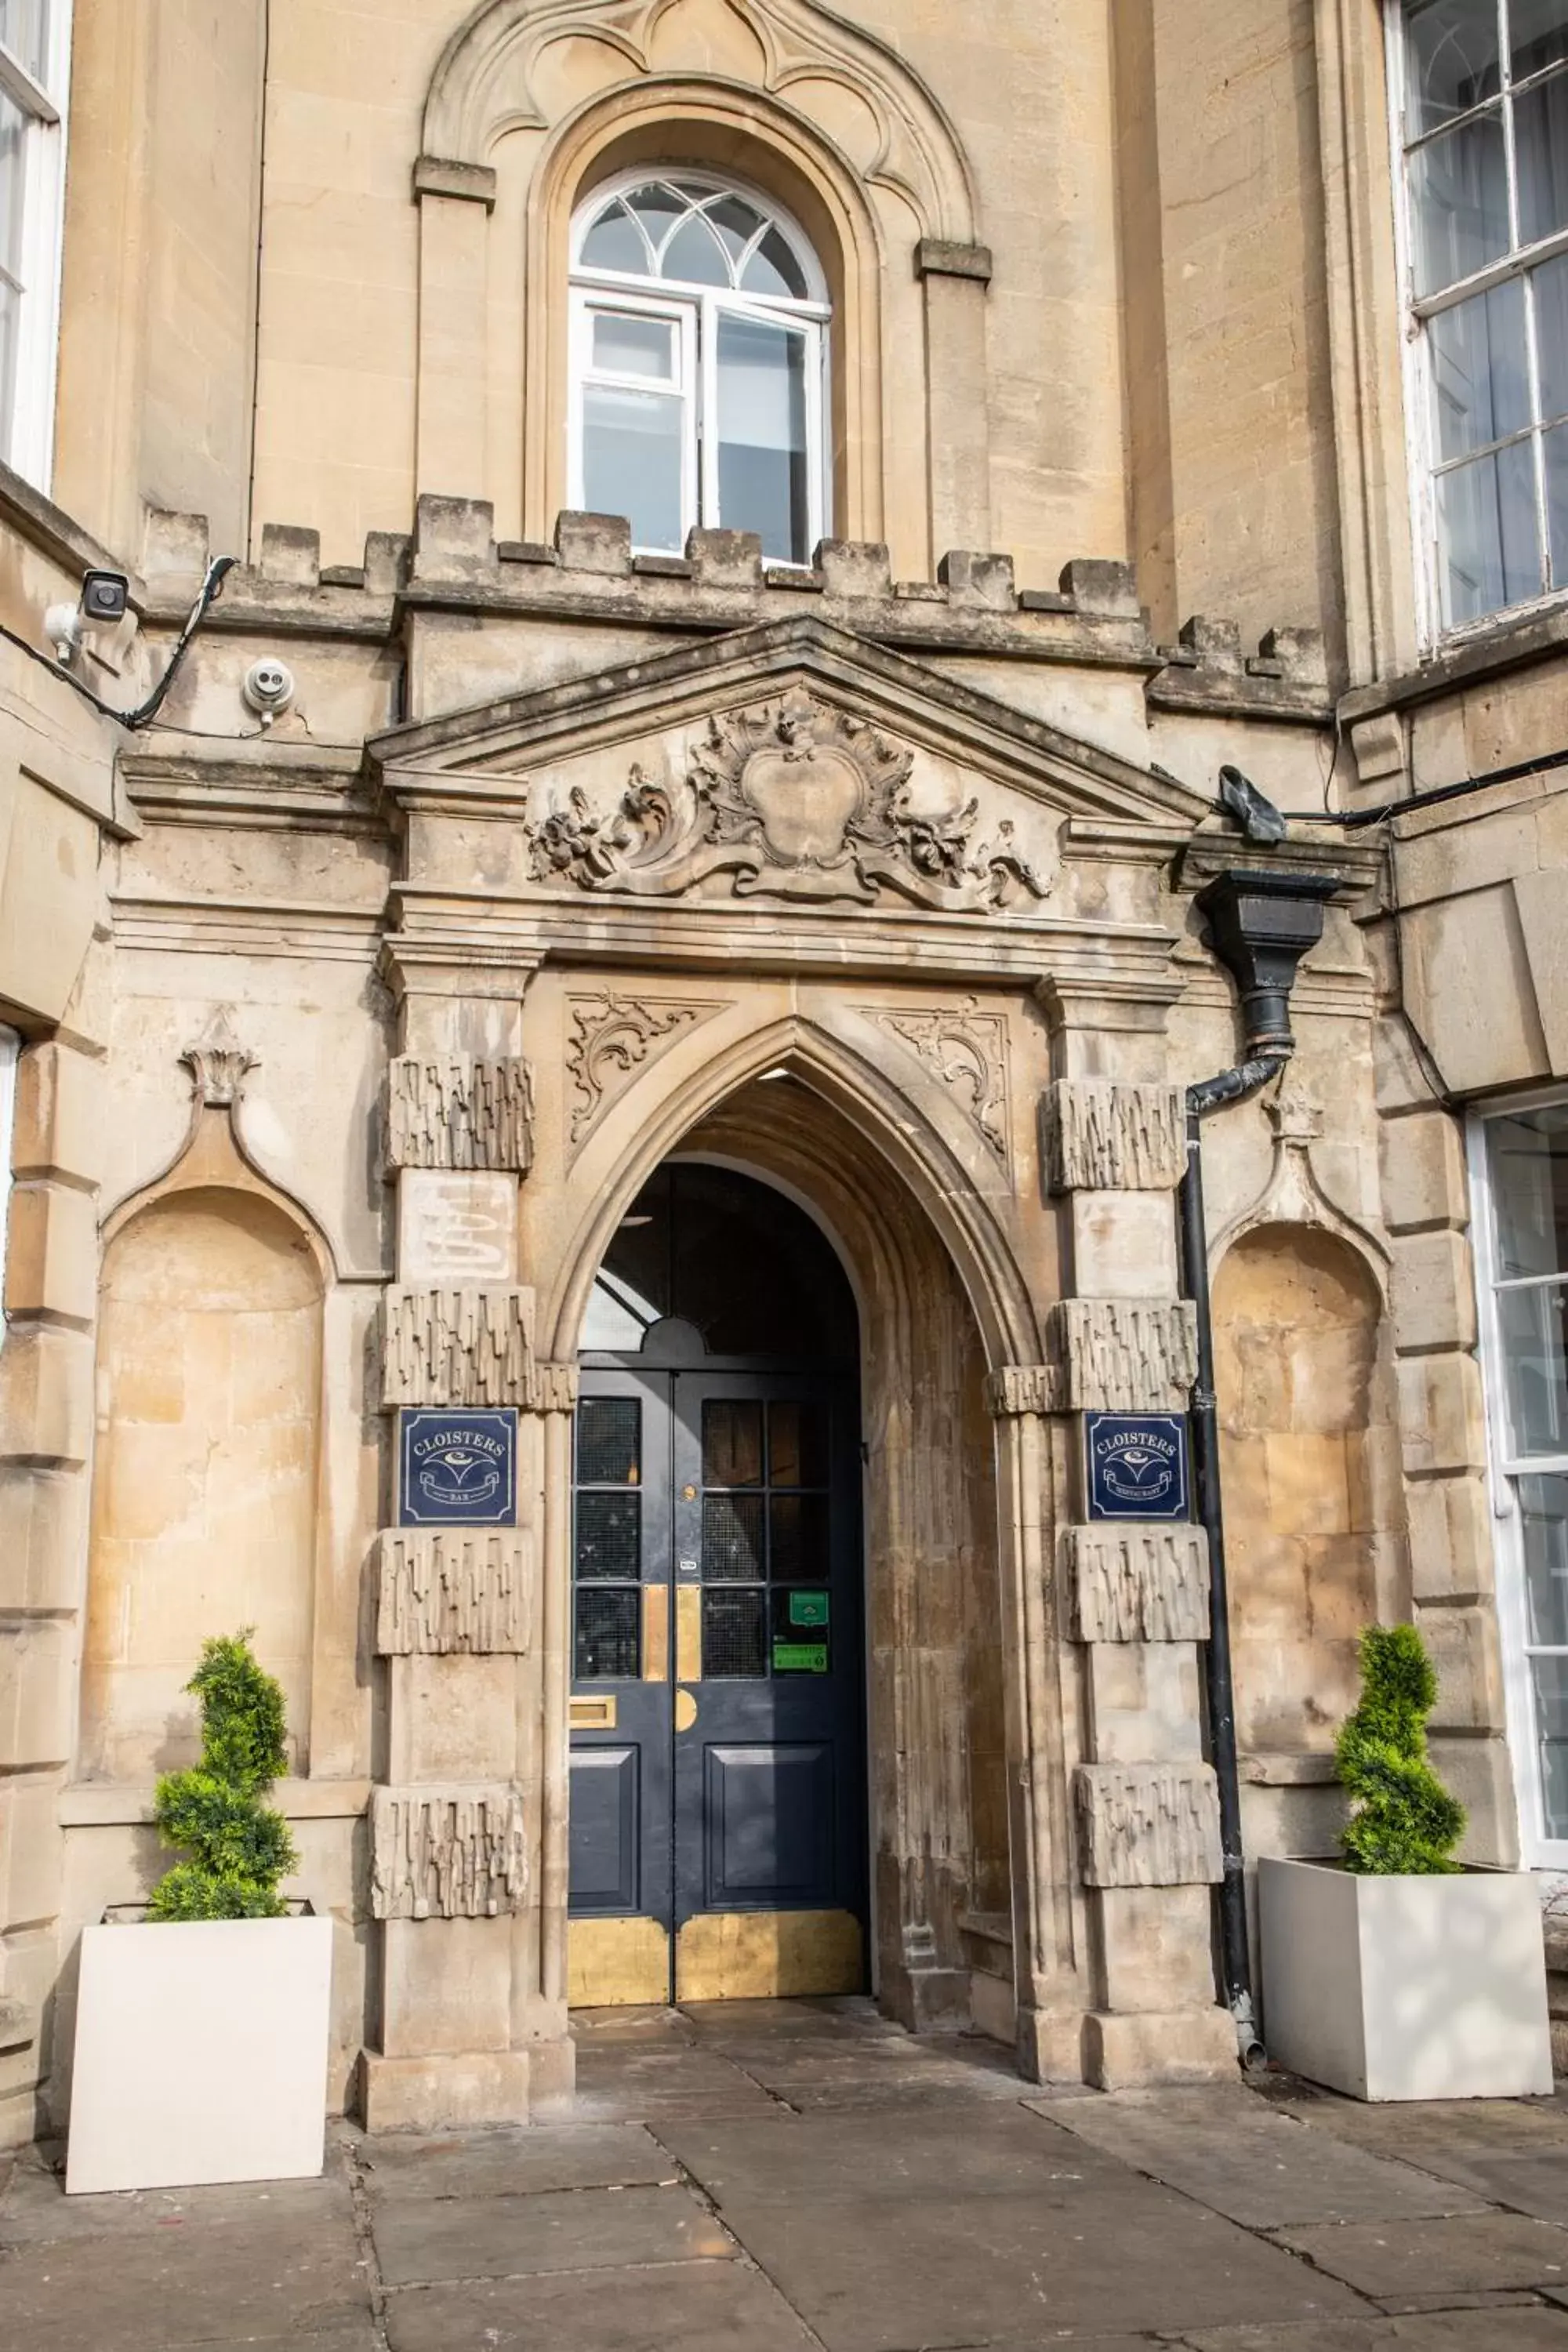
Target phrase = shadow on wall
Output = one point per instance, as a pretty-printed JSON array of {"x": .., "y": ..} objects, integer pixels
[
  {"x": 1310, "y": 1461},
  {"x": 205, "y": 1485}
]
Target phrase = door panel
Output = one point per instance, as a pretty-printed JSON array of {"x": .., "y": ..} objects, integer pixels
[
  {"x": 716, "y": 1543},
  {"x": 768, "y": 1826}
]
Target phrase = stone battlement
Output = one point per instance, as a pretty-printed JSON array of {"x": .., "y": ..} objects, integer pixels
[{"x": 452, "y": 561}]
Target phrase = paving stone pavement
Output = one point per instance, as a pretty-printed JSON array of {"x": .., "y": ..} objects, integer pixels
[{"x": 803, "y": 2176}]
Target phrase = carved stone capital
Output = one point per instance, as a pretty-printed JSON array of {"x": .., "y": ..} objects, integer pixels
[
  {"x": 1098, "y": 1136},
  {"x": 459, "y": 1113},
  {"x": 452, "y": 1851},
  {"x": 445, "y": 1590},
  {"x": 1121, "y": 1354},
  {"x": 1147, "y": 1824},
  {"x": 1024, "y": 1388},
  {"x": 219, "y": 1065},
  {"x": 1131, "y": 1583},
  {"x": 462, "y": 1344}
]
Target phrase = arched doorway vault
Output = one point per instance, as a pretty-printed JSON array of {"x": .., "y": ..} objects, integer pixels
[{"x": 789, "y": 1107}]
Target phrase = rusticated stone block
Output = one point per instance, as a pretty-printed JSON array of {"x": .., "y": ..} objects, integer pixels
[
  {"x": 1097, "y": 1136},
  {"x": 1124, "y": 1355},
  {"x": 1131, "y": 1582},
  {"x": 449, "y": 1851},
  {"x": 459, "y": 1114},
  {"x": 444, "y": 1590},
  {"x": 1147, "y": 1824},
  {"x": 467, "y": 1344},
  {"x": 1024, "y": 1388}
]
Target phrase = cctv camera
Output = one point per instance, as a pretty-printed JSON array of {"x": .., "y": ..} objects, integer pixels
[
  {"x": 268, "y": 688},
  {"x": 105, "y": 596}
]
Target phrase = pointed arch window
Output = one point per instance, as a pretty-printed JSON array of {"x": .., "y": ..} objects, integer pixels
[{"x": 698, "y": 356}]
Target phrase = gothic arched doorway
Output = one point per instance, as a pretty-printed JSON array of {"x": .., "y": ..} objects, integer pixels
[{"x": 718, "y": 1801}]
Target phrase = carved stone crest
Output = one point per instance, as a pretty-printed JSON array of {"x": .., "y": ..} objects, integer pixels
[{"x": 793, "y": 800}]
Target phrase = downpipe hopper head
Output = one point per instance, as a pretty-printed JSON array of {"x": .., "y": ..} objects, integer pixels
[{"x": 1261, "y": 923}]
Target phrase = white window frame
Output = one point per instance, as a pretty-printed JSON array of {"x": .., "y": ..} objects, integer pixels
[
  {"x": 1415, "y": 312},
  {"x": 703, "y": 306},
  {"x": 32, "y": 438},
  {"x": 1538, "y": 1851}
]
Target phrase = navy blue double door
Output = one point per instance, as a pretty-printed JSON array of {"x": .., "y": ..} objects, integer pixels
[{"x": 718, "y": 1807}]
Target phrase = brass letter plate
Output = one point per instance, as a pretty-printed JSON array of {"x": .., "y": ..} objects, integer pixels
[{"x": 593, "y": 1714}]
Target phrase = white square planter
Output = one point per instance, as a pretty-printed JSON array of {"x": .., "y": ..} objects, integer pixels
[
  {"x": 1406, "y": 1987},
  {"x": 201, "y": 2054}
]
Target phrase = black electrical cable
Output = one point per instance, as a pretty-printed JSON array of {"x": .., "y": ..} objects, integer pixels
[
  {"x": 1354, "y": 819},
  {"x": 145, "y": 712}
]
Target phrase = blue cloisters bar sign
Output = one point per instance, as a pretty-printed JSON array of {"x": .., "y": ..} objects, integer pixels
[
  {"x": 456, "y": 1469},
  {"x": 1137, "y": 1465}
]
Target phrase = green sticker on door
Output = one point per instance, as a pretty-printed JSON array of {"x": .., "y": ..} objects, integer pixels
[
  {"x": 808, "y": 1608},
  {"x": 800, "y": 1657}
]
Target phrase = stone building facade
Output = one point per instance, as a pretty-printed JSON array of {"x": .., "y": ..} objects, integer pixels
[{"x": 806, "y": 862}]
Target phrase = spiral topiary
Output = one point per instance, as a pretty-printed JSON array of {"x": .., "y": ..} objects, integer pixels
[
  {"x": 239, "y": 1848},
  {"x": 1403, "y": 1821}
]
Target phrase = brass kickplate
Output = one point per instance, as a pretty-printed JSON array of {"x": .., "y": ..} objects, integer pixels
[{"x": 593, "y": 1714}]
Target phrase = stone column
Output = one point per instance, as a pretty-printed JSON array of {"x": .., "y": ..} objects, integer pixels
[
  {"x": 463, "y": 1856},
  {"x": 1135, "y": 1598}
]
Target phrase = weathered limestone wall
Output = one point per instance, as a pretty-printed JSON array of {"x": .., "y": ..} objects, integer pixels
[{"x": 157, "y": 372}]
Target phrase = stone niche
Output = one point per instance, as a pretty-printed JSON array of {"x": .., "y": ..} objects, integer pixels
[
  {"x": 1309, "y": 1459},
  {"x": 205, "y": 1491}
]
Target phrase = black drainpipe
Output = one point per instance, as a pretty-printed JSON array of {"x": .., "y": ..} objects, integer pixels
[{"x": 1261, "y": 924}]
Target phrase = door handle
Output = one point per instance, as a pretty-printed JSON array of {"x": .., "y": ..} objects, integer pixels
[
  {"x": 655, "y": 1633},
  {"x": 689, "y": 1634}
]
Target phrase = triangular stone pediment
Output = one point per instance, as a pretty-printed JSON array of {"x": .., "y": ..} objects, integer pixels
[{"x": 793, "y": 762}]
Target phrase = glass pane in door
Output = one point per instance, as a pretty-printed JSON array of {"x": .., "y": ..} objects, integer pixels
[{"x": 763, "y": 480}]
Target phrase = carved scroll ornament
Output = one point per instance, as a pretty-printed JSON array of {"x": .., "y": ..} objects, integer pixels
[
  {"x": 791, "y": 800},
  {"x": 968, "y": 1052},
  {"x": 611, "y": 1036}
]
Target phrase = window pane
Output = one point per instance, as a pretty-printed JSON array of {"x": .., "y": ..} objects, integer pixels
[
  {"x": 1555, "y": 450},
  {"x": 1551, "y": 1677},
  {"x": 762, "y": 435},
  {"x": 1528, "y": 1154},
  {"x": 609, "y": 1637},
  {"x": 1537, "y": 35},
  {"x": 797, "y": 1444},
  {"x": 737, "y": 222},
  {"x": 1450, "y": 60},
  {"x": 609, "y": 1537},
  {"x": 1543, "y": 1512},
  {"x": 695, "y": 255},
  {"x": 731, "y": 1443},
  {"x": 773, "y": 270},
  {"x": 659, "y": 209},
  {"x": 610, "y": 1442},
  {"x": 25, "y": 30},
  {"x": 1541, "y": 158},
  {"x": 1531, "y": 1322},
  {"x": 9, "y": 306},
  {"x": 615, "y": 242},
  {"x": 734, "y": 1635},
  {"x": 1480, "y": 376},
  {"x": 1487, "y": 535},
  {"x": 632, "y": 462},
  {"x": 1550, "y": 284},
  {"x": 798, "y": 1525},
  {"x": 625, "y": 344},
  {"x": 732, "y": 1538},
  {"x": 1458, "y": 196},
  {"x": 13, "y": 152}
]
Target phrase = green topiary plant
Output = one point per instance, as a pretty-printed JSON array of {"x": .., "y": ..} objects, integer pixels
[
  {"x": 1403, "y": 1821},
  {"x": 240, "y": 1849}
]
